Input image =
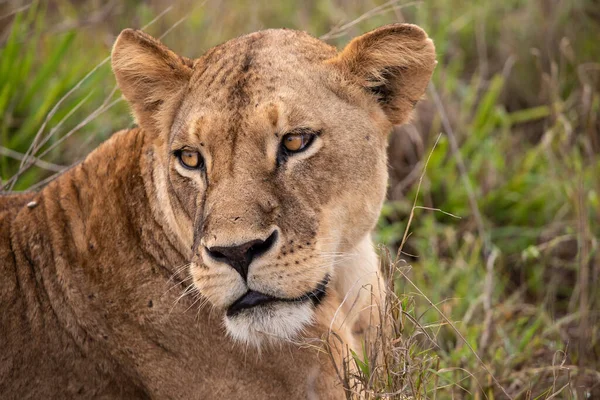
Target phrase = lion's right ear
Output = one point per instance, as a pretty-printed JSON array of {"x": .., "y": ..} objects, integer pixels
[{"x": 151, "y": 77}]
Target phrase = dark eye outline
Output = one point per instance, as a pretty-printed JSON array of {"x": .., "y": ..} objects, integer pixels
[
  {"x": 284, "y": 153},
  {"x": 179, "y": 153}
]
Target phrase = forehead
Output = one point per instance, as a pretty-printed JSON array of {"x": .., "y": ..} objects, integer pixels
[{"x": 253, "y": 68}]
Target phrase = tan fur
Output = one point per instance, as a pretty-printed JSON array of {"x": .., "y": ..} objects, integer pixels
[{"x": 104, "y": 273}]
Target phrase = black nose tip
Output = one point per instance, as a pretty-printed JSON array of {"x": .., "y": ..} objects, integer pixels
[{"x": 240, "y": 256}]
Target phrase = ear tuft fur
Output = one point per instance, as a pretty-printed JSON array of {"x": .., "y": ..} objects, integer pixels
[
  {"x": 394, "y": 63},
  {"x": 151, "y": 77}
]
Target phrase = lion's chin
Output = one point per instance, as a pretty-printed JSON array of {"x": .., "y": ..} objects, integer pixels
[{"x": 270, "y": 323}]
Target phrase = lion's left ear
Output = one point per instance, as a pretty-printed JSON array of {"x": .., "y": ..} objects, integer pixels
[
  {"x": 393, "y": 63},
  {"x": 151, "y": 77}
]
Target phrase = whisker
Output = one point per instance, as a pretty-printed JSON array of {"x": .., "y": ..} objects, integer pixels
[
  {"x": 360, "y": 278},
  {"x": 176, "y": 284},
  {"x": 193, "y": 304},
  {"x": 187, "y": 291},
  {"x": 178, "y": 270}
]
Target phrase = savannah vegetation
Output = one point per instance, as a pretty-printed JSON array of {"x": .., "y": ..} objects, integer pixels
[{"x": 489, "y": 237}]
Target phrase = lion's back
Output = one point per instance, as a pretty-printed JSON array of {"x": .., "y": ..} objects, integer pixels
[{"x": 12, "y": 202}]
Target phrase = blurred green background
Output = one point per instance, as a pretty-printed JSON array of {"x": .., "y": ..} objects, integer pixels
[{"x": 516, "y": 98}]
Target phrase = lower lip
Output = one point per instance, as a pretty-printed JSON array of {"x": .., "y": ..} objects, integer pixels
[{"x": 253, "y": 299}]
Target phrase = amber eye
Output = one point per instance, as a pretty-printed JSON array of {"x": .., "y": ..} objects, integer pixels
[
  {"x": 296, "y": 142},
  {"x": 190, "y": 159}
]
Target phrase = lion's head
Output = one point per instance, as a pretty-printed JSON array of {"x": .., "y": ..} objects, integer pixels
[{"x": 270, "y": 158}]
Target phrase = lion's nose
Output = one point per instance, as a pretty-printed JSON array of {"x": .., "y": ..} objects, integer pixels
[{"x": 240, "y": 256}]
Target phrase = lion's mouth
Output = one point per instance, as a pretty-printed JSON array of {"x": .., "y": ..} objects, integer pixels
[{"x": 252, "y": 298}]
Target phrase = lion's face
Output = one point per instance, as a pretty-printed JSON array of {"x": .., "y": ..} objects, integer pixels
[{"x": 271, "y": 148}]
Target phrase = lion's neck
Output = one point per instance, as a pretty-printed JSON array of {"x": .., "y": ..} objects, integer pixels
[
  {"x": 112, "y": 209},
  {"x": 89, "y": 258}
]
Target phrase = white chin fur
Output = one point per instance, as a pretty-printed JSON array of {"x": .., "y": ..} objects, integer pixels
[{"x": 269, "y": 323}]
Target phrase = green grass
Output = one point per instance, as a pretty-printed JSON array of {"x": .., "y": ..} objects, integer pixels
[{"x": 509, "y": 271}]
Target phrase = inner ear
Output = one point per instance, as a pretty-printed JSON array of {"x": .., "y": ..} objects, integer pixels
[
  {"x": 393, "y": 63},
  {"x": 151, "y": 77},
  {"x": 382, "y": 86}
]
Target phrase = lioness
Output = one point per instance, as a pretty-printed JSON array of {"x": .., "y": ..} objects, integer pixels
[{"x": 252, "y": 184}]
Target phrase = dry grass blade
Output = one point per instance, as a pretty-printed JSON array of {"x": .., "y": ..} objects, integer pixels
[
  {"x": 178, "y": 22},
  {"x": 411, "y": 215},
  {"x": 462, "y": 168},
  {"x": 49, "y": 179},
  {"x": 437, "y": 210},
  {"x": 487, "y": 301},
  {"x": 412, "y": 211},
  {"x": 159, "y": 16},
  {"x": 469, "y": 375},
  {"x": 86, "y": 120},
  {"x": 36, "y": 161},
  {"x": 458, "y": 333},
  {"x": 15, "y": 11},
  {"x": 25, "y": 163},
  {"x": 475, "y": 209},
  {"x": 392, "y": 5},
  {"x": 39, "y": 140}
]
